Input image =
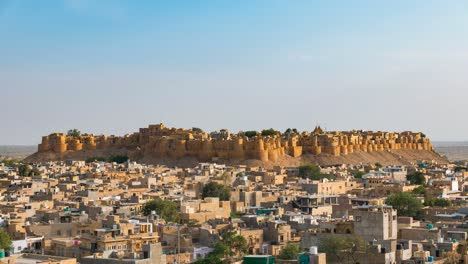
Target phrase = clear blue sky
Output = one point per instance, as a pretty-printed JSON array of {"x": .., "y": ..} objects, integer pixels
[{"x": 114, "y": 66}]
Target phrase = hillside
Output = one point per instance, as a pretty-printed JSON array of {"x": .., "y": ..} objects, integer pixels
[{"x": 393, "y": 157}]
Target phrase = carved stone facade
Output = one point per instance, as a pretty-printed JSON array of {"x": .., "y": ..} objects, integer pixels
[{"x": 161, "y": 142}]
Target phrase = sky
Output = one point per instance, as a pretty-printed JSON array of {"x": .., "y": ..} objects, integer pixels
[{"x": 111, "y": 67}]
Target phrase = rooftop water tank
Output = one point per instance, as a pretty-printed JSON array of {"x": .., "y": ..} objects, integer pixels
[{"x": 313, "y": 250}]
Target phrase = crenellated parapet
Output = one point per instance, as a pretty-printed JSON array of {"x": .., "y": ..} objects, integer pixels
[{"x": 162, "y": 142}]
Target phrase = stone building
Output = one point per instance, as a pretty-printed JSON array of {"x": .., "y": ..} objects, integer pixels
[{"x": 160, "y": 142}]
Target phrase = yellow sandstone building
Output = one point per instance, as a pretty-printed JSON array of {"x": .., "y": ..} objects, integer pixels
[{"x": 159, "y": 141}]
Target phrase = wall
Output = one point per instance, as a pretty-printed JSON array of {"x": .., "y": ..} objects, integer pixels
[{"x": 161, "y": 142}]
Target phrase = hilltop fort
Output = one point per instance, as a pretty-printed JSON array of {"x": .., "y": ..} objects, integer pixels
[{"x": 158, "y": 142}]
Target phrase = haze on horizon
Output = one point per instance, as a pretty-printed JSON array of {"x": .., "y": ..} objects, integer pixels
[{"x": 112, "y": 67}]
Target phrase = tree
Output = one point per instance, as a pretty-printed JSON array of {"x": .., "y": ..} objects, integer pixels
[
  {"x": 213, "y": 189},
  {"x": 235, "y": 214},
  {"x": 236, "y": 245},
  {"x": 27, "y": 171},
  {"x": 342, "y": 248},
  {"x": 416, "y": 178},
  {"x": 119, "y": 159},
  {"x": 430, "y": 198},
  {"x": 438, "y": 202},
  {"x": 10, "y": 162},
  {"x": 210, "y": 259},
  {"x": 74, "y": 133},
  {"x": 34, "y": 172},
  {"x": 5, "y": 241},
  {"x": 231, "y": 245},
  {"x": 24, "y": 170},
  {"x": 359, "y": 174},
  {"x": 378, "y": 165},
  {"x": 288, "y": 131},
  {"x": 309, "y": 171},
  {"x": 420, "y": 190},
  {"x": 269, "y": 132},
  {"x": 405, "y": 204},
  {"x": 168, "y": 210},
  {"x": 313, "y": 172},
  {"x": 290, "y": 252},
  {"x": 196, "y": 129},
  {"x": 250, "y": 134}
]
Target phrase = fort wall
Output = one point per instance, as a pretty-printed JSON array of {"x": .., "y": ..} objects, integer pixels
[{"x": 161, "y": 142}]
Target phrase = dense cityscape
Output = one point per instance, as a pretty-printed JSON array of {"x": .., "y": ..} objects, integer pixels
[
  {"x": 233, "y": 132},
  {"x": 109, "y": 209}
]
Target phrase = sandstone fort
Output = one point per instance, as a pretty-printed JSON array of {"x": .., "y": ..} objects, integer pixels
[{"x": 159, "y": 141}]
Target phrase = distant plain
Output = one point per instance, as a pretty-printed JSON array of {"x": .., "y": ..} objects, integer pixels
[{"x": 453, "y": 150}]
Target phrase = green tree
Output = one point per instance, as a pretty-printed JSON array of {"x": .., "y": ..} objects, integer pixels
[
  {"x": 221, "y": 250},
  {"x": 359, "y": 174},
  {"x": 288, "y": 131},
  {"x": 24, "y": 170},
  {"x": 119, "y": 159},
  {"x": 420, "y": 190},
  {"x": 230, "y": 246},
  {"x": 168, "y": 210},
  {"x": 290, "y": 252},
  {"x": 5, "y": 241},
  {"x": 313, "y": 172},
  {"x": 196, "y": 129},
  {"x": 416, "y": 178},
  {"x": 210, "y": 259},
  {"x": 74, "y": 133},
  {"x": 309, "y": 171},
  {"x": 378, "y": 165},
  {"x": 269, "y": 132},
  {"x": 10, "y": 162},
  {"x": 405, "y": 204},
  {"x": 213, "y": 189},
  {"x": 235, "y": 214},
  {"x": 342, "y": 249},
  {"x": 438, "y": 202},
  {"x": 236, "y": 244},
  {"x": 250, "y": 134},
  {"x": 34, "y": 172}
]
